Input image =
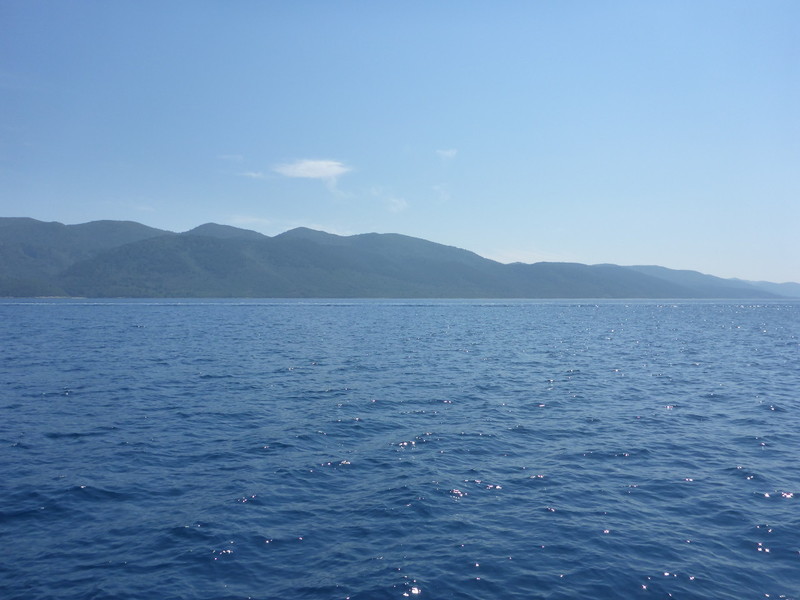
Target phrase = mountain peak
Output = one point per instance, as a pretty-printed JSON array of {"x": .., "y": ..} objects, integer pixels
[
  {"x": 225, "y": 232},
  {"x": 308, "y": 234}
]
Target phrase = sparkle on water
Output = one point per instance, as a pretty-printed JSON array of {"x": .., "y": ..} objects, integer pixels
[{"x": 399, "y": 449}]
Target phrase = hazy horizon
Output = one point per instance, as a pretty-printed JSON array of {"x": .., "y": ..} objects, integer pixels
[{"x": 621, "y": 132}]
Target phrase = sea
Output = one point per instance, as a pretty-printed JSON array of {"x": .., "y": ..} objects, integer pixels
[{"x": 399, "y": 449}]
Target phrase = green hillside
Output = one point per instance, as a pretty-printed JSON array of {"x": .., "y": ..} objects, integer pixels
[{"x": 126, "y": 259}]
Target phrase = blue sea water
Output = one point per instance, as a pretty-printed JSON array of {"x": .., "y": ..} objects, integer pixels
[{"x": 399, "y": 449}]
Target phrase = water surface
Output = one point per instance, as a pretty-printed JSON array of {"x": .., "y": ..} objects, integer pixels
[{"x": 399, "y": 449}]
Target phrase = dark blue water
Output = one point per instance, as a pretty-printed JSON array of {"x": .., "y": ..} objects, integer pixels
[{"x": 376, "y": 449}]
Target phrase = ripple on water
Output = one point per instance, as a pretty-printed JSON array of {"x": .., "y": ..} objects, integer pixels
[{"x": 400, "y": 450}]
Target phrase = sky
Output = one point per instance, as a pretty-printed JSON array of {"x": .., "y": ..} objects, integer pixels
[{"x": 625, "y": 132}]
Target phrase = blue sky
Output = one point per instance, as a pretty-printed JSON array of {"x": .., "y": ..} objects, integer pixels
[{"x": 634, "y": 132}]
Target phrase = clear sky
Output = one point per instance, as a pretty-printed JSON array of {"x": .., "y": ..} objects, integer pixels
[{"x": 629, "y": 132}]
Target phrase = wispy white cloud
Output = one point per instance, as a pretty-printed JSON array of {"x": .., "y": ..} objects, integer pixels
[
  {"x": 393, "y": 204},
  {"x": 313, "y": 169},
  {"x": 448, "y": 153},
  {"x": 396, "y": 205},
  {"x": 442, "y": 192},
  {"x": 248, "y": 220},
  {"x": 253, "y": 175}
]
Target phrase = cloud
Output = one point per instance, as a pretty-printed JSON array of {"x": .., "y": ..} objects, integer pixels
[
  {"x": 253, "y": 175},
  {"x": 447, "y": 154},
  {"x": 442, "y": 193},
  {"x": 313, "y": 169},
  {"x": 248, "y": 220},
  {"x": 393, "y": 204},
  {"x": 396, "y": 205}
]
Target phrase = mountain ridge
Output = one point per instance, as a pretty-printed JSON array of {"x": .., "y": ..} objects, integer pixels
[{"x": 128, "y": 259}]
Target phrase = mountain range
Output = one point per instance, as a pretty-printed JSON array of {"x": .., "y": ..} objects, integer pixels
[{"x": 128, "y": 259}]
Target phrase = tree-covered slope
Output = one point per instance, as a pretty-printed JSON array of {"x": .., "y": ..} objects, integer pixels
[
  {"x": 124, "y": 259},
  {"x": 33, "y": 253}
]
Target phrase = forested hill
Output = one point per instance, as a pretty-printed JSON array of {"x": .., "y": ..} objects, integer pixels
[{"x": 127, "y": 259}]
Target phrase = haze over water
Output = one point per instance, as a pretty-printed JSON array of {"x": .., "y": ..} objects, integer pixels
[{"x": 399, "y": 449}]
